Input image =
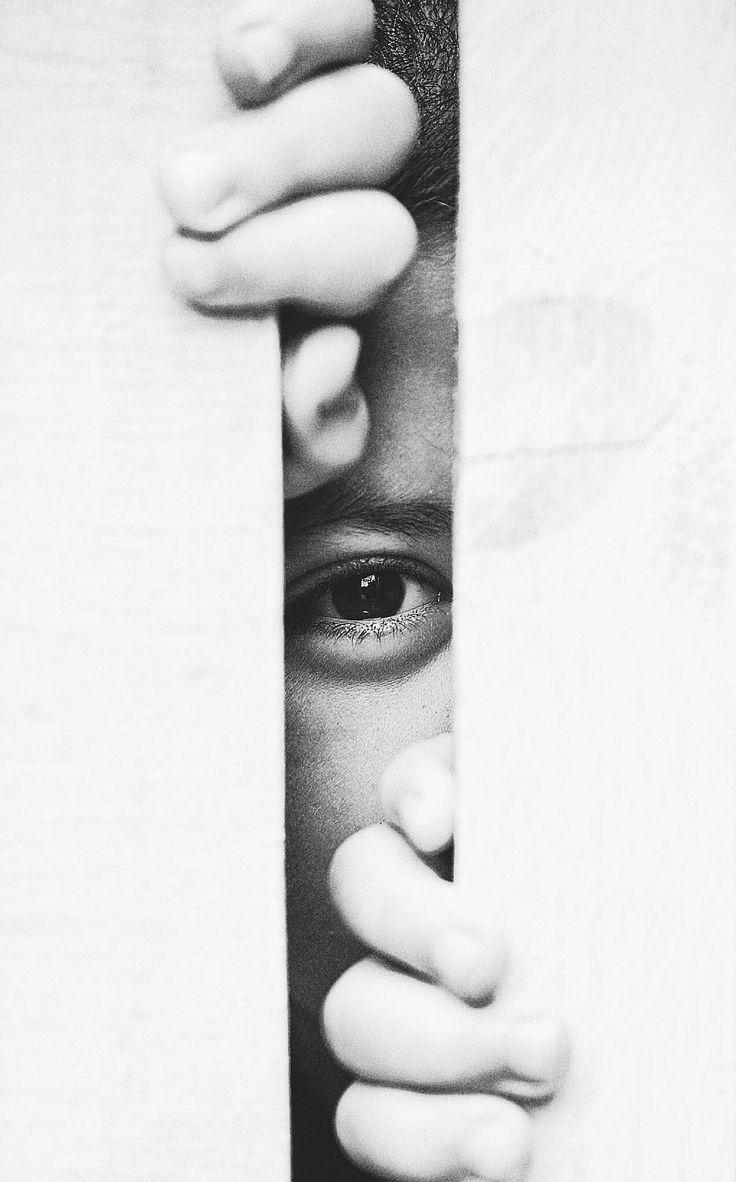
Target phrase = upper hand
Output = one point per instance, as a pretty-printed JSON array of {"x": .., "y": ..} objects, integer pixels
[{"x": 281, "y": 204}]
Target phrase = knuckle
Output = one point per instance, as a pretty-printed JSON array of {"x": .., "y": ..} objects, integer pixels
[
  {"x": 401, "y": 98},
  {"x": 351, "y": 1118},
  {"x": 340, "y": 874},
  {"x": 351, "y": 863},
  {"x": 400, "y": 228},
  {"x": 388, "y": 107},
  {"x": 331, "y": 1018},
  {"x": 341, "y": 1015},
  {"x": 384, "y": 1131},
  {"x": 362, "y": 16},
  {"x": 389, "y": 84}
]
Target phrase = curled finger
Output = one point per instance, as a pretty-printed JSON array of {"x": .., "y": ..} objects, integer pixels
[
  {"x": 384, "y": 1025},
  {"x": 351, "y": 129},
  {"x": 325, "y": 412},
  {"x": 420, "y": 1137},
  {"x": 266, "y": 45},
  {"x": 287, "y": 255},
  {"x": 417, "y": 793},
  {"x": 398, "y": 907}
]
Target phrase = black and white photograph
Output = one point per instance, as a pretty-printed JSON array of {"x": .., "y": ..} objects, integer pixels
[{"x": 368, "y": 591}]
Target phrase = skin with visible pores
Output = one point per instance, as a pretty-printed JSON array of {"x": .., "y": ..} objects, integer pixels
[{"x": 391, "y": 986}]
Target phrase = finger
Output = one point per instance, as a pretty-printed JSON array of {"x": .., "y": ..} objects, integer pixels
[
  {"x": 400, "y": 909},
  {"x": 288, "y": 256},
  {"x": 325, "y": 412},
  {"x": 266, "y": 45},
  {"x": 417, "y": 1137},
  {"x": 417, "y": 793},
  {"x": 351, "y": 129},
  {"x": 386, "y": 1026}
]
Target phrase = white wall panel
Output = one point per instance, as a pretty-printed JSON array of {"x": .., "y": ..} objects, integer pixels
[
  {"x": 142, "y": 978},
  {"x": 595, "y": 558}
]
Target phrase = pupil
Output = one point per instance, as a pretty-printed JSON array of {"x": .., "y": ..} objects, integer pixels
[{"x": 369, "y": 597}]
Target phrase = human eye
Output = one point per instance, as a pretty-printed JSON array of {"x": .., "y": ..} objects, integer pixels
[{"x": 371, "y": 616}]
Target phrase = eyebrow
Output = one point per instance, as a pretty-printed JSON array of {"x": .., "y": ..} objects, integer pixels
[{"x": 411, "y": 516}]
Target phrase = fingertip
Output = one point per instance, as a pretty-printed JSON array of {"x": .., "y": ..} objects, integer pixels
[
  {"x": 469, "y": 963},
  {"x": 383, "y": 239},
  {"x": 192, "y": 268},
  {"x": 199, "y": 194},
  {"x": 329, "y": 1019},
  {"x": 340, "y": 871},
  {"x": 264, "y": 46},
  {"x": 500, "y": 1149},
  {"x": 349, "y": 1119},
  {"x": 343, "y": 1120},
  {"x": 403, "y": 231},
  {"x": 254, "y": 58},
  {"x": 326, "y": 417},
  {"x": 352, "y": 862},
  {"x": 417, "y": 794},
  {"x": 428, "y": 828},
  {"x": 200, "y": 186},
  {"x": 318, "y": 369},
  {"x": 539, "y": 1052},
  {"x": 405, "y": 115}
]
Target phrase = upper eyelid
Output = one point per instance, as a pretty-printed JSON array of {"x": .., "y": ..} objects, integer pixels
[{"x": 321, "y": 577}]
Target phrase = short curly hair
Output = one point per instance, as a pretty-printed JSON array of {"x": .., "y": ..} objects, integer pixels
[{"x": 418, "y": 40}]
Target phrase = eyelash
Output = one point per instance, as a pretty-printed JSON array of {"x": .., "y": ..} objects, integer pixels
[{"x": 359, "y": 630}]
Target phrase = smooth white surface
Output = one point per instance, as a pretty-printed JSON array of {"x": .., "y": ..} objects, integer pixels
[
  {"x": 595, "y": 558},
  {"x": 142, "y": 978}
]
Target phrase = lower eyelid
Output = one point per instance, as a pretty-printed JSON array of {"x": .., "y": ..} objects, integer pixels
[
  {"x": 349, "y": 650},
  {"x": 376, "y": 626}
]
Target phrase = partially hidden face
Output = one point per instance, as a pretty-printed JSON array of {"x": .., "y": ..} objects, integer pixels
[{"x": 368, "y": 626}]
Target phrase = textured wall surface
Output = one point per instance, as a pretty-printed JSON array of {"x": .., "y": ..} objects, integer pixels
[
  {"x": 595, "y": 558},
  {"x": 142, "y": 982}
]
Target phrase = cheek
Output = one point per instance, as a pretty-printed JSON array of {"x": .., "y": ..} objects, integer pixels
[{"x": 339, "y": 739}]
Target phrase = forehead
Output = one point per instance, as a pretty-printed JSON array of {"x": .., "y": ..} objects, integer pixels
[{"x": 408, "y": 372}]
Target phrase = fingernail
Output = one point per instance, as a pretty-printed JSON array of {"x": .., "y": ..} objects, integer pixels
[
  {"x": 537, "y": 1051},
  {"x": 198, "y": 190},
  {"x": 467, "y": 964},
  {"x": 500, "y": 1148},
  {"x": 268, "y": 52},
  {"x": 428, "y": 828},
  {"x": 409, "y": 814},
  {"x": 344, "y": 404},
  {"x": 193, "y": 269}
]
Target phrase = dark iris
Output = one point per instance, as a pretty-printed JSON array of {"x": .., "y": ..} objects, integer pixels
[{"x": 369, "y": 597}]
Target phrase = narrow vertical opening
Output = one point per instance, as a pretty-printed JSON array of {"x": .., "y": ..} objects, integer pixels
[{"x": 368, "y": 558}]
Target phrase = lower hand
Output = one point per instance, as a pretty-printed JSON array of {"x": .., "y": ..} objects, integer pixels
[{"x": 436, "y": 1059}]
